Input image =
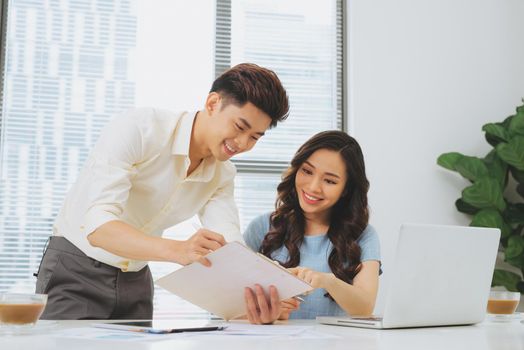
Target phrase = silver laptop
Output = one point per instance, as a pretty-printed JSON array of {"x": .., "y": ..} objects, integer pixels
[{"x": 441, "y": 276}]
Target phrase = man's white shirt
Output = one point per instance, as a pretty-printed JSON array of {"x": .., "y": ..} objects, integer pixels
[{"x": 136, "y": 173}]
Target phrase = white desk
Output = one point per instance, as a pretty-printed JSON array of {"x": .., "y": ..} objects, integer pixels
[{"x": 487, "y": 335}]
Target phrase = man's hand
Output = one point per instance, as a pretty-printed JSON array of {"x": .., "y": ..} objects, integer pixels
[
  {"x": 314, "y": 278},
  {"x": 259, "y": 309},
  {"x": 197, "y": 247}
]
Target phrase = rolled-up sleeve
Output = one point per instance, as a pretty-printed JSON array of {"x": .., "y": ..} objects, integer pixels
[
  {"x": 111, "y": 167},
  {"x": 220, "y": 213}
]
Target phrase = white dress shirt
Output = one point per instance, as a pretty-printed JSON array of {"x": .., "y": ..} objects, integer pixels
[{"x": 136, "y": 173}]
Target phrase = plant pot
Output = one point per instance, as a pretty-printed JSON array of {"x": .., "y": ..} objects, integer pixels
[{"x": 520, "y": 308}]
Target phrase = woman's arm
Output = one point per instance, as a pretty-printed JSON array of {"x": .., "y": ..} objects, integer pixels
[{"x": 357, "y": 298}]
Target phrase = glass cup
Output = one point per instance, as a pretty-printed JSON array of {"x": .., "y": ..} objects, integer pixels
[
  {"x": 20, "y": 311},
  {"x": 502, "y": 304}
]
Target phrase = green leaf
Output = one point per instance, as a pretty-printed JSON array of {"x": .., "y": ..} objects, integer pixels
[
  {"x": 506, "y": 279},
  {"x": 471, "y": 168},
  {"x": 485, "y": 193},
  {"x": 516, "y": 126},
  {"x": 490, "y": 157},
  {"x": 448, "y": 160},
  {"x": 514, "y": 213},
  {"x": 505, "y": 123},
  {"x": 517, "y": 174},
  {"x": 466, "y": 208},
  {"x": 515, "y": 246},
  {"x": 496, "y": 167},
  {"x": 517, "y": 261},
  {"x": 520, "y": 190},
  {"x": 491, "y": 218},
  {"x": 495, "y": 133},
  {"x": 512, "y": 152}
]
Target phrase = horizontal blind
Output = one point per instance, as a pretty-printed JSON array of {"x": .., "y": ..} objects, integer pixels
[
  {"x": 69, "y": 70},
  {"x": 222, "y": 59},
  {"x": 302, "y": 41},
  {"x": 65, "y": 76},
  {"x": 298, "y": 40},
  {"x": 70, "y": 66}
]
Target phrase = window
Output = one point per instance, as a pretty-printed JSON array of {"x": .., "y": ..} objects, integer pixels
[
  {"x": 70, "y": 66},
  {"x": 299, "y": 41}
]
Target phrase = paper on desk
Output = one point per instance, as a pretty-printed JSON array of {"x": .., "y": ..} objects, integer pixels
[
  {"x": 265, "y": 330},
  {"x": 234, "y": 331},
  {"x": 220, "y": 288},
  {"x": 92, "y": 333},
  {"x": 245, "y": 330}
]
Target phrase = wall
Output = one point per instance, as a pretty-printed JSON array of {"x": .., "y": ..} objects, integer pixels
[{"x": 424, "y": 76}]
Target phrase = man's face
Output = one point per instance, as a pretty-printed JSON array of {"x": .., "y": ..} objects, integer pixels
[{"x": 235, "y": 129}]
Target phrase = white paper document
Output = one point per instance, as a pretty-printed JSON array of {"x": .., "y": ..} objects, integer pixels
[
  {"x": 233, "y": 331},
  {"x": 91, "y": 333},
  {"x": 247, "y": 329},
  {"x": 281, "y": 331},
  {"x": 220, "y": 288}
]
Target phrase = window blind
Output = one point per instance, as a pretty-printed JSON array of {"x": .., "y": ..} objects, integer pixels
[
  {"x": 72, "y": 65},
  {"x": 65, "y": 75},
  {"x": 302, "y": 41}
]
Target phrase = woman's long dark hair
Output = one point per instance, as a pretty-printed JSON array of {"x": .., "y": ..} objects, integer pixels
[{"x": 348, "y": 217}]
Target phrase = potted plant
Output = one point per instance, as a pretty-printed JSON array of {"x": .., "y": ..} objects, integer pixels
[{"x": 494, "y": 198}]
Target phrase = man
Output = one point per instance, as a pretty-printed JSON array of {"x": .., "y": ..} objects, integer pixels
[{"x": 149, "y": 170}]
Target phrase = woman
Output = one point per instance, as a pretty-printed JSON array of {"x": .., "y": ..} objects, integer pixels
[{"x": 320, "y": 231}]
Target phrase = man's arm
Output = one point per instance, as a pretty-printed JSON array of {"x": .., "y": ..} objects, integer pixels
[
  {"x": 220, "y": 213},
  {"x": 124, "y": 143},
  {"x": 124, "y": 240}
]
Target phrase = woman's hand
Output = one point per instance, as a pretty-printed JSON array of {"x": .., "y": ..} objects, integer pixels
[
  {"x": 260, "y": 310},
  {"x": 314, "y": 278},
  {"x": 288, "y": 306}
]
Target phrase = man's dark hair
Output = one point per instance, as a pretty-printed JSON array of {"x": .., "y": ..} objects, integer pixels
[{"x": 248, "y": 82}]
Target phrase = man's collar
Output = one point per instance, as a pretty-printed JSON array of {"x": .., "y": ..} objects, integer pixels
[
  {"x": 182, "y": 139},
  {"x": 182, "y": 134}
]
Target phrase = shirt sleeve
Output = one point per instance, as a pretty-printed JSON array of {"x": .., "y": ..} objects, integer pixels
[
  {"x": 369, "y": 245},
  {"x": 256, "y": 231},
  {"x": 220, "y": 214},
  {"x": 111, "y": 167}
]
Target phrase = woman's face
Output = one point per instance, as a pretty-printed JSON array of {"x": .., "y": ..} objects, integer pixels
[{"x": 320, "y": 182}]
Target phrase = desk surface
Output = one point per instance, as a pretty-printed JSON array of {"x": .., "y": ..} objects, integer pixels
[{"x": 487, "y": 335}]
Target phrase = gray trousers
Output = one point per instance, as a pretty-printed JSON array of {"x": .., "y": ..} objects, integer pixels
[{"x": 79, "y": 287}]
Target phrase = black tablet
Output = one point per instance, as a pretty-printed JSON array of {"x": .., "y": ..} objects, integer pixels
[{"x": 162, "y": 326}]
